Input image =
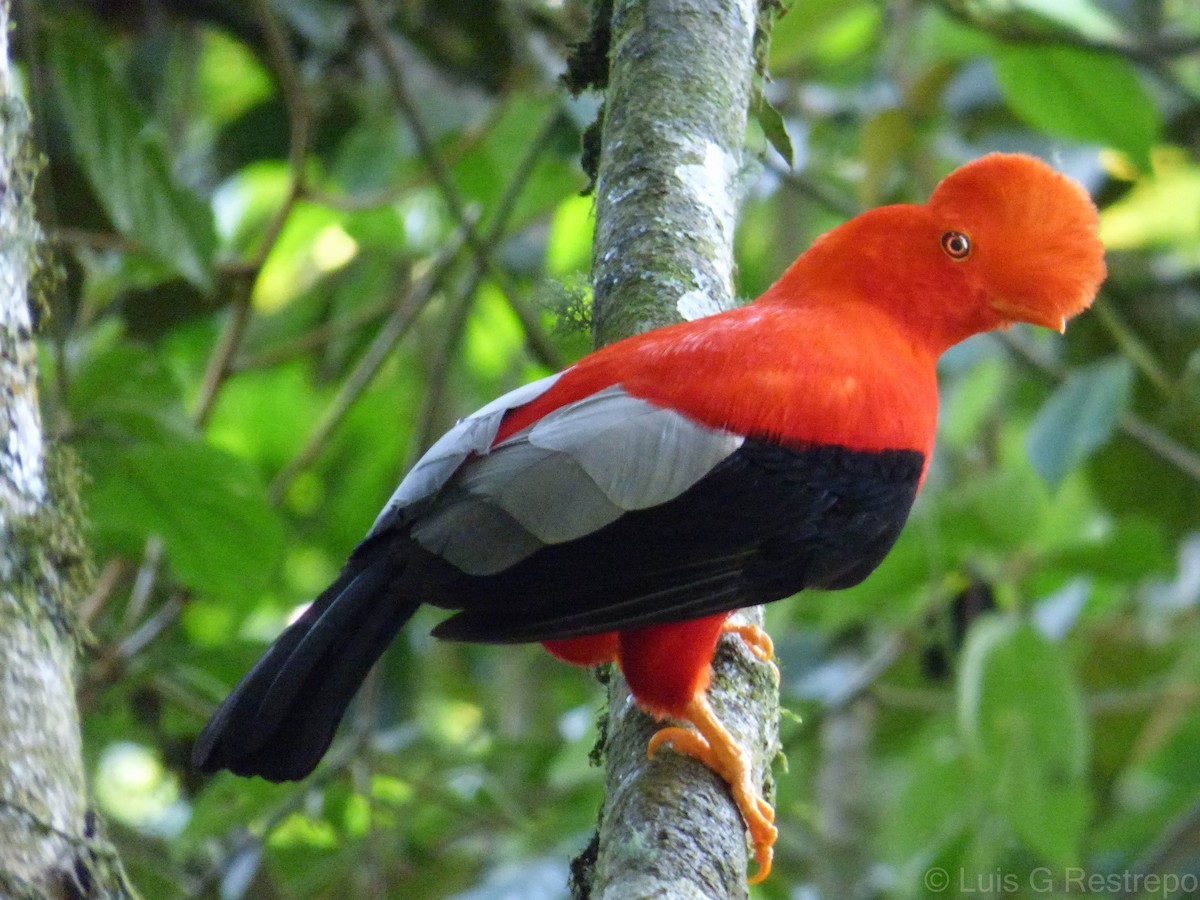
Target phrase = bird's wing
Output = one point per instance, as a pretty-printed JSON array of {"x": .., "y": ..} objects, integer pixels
[
  {"x": 610, "y": 511},
  {"x": 764, "y": 522},
  {"x": 574, "y": 471},
  {"x": 473, "y": 434}
]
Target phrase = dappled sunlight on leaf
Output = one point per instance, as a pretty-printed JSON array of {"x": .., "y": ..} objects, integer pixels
[{"x": 1160, "y": 210}]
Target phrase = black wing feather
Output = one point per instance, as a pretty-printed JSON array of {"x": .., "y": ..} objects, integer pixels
[{"x": 768, "y": 521}]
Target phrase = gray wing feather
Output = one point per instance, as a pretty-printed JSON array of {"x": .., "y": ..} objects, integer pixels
[
  {"x": 467, "y": 532},
  {"x": 638, "y": 454},
  {"x": 473, "y": 434},
  {"x": 573, "y": 472},
  {"x": 545, "y": 490}
]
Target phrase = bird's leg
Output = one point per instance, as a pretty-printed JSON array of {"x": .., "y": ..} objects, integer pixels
[
  {"x": 757, "y": 641},
  {"x": 714, "y": 746}
]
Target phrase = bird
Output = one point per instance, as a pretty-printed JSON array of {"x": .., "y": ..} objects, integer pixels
[{"x": 620, "y": 510}]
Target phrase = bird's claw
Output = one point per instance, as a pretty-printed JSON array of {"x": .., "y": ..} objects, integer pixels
[
  {"x": 716, "y": 748},
  {"x": 757, "y": 642}
]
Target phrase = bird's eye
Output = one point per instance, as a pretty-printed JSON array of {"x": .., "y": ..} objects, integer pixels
[{"x": 956, "y": 245}]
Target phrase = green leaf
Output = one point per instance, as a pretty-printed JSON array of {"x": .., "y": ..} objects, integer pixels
[
  {"x": 127, "y": 161},
  {"x": 970, "y": 403},
  {"x": 1079, "y": 417},
  {"x": 128, "y": 390},
  {"x": 927, "y": 813},
  {"x": 773, "y": 127},
  {"x": 996, "y": 512},
  {"x": 222, "y": 537},
  {"x": 1158, "y": 211},
  {"x": 1131, "y": 550},
  {"x": 1081, "y": 95},
  {"x": 227, "y": 799},
  {"x": 231, "y": 79},
  {"x": 1023, "y": 722},
  {"x": 1081, "y": 16},
  {"x": 484, "y": 172}
]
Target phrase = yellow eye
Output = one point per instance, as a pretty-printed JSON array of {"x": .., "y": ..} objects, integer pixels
[{"x": 956, "y": 245}]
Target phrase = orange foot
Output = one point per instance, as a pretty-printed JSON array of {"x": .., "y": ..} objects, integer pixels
[
  {"x": 714, "y": 746},
  {"x": 757, "y": 640}
]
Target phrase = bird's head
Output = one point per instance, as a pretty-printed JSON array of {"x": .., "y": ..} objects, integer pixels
[
  {"x": 1025, "y": 237},
  {"x": 1002, "y": 239}
]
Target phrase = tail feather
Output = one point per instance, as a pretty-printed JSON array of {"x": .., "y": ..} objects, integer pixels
[{"x": 280, "y": 719}]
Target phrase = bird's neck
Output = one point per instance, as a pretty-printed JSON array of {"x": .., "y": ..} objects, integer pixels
[{"x": 934, "y": 309}]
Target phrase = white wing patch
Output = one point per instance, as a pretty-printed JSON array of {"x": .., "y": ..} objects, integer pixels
[{"x": 573, "y": 472}]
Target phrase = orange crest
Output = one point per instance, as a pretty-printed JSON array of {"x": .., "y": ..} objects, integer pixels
[{"x": 1035, "y": 247}]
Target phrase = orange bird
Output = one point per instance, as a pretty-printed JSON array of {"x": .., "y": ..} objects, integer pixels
[{"x": 621, "y": 509}]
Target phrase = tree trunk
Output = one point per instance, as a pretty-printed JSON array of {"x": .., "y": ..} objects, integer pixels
[
  {"x": 47, "y": 844},
  {"x": 679, "y": 89}
]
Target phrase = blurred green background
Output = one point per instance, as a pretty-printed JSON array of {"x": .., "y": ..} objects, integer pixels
[{"x": 280, "y": 271}]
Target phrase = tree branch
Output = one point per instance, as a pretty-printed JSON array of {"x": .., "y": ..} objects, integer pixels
[
  {"x": 47, "y": 836},
  {"x": 300, "y": 121},
  {"x": 674, "y": 125}
]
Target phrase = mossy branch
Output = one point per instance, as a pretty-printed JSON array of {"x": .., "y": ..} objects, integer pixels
[
  {"x": 679, "y": 87},
  {"x": 48, "y": 841}
]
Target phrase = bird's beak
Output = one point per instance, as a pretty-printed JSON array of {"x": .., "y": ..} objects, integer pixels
[{"x": 1014, "y": 312}]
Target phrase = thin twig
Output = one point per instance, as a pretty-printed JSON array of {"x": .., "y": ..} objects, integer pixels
[
  {"x": 1155, "y": 55},
  {"x": 1149, "y": 52},
  {"x": 219, "y": 362},
  {"x": 469, "y": 140},
  {"x": 247, "y": 839},
  {"x": 360, "y": 378},
  {"x": 143, "y": 582},
  {"x": 102, "y": 590},
  {"x": 113, "y": 660},
  {"x": 439, "y": 368},
  {"x": 1133, "y": 347},
  {"x": 181, "y": 696},
  {"x": 93, "y": 240},
  {"x": 1161, "y": 445},
  {"x": 482, "y": 249},
  {"x": 378, "y": 32},
  {"x": 326, "y": 332},
  {"x": 149, "y": 631},
  {"x": 1153, "y": 439},
  {"x": 317, "y": 338},
  {"x": 814, "y": 189},
  {"x": 370, "y": 881},
  {"x": 1142, "y": 699},
  {"x": 399, "y": 323},
  {"x": 300, "y": 122}
]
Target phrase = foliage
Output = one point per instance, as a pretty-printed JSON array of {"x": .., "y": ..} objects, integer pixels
[{"x": 297, "y": 240}]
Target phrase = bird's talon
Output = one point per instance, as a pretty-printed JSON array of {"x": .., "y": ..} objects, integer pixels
[
  {"x": 714, "y": 746},
  {"x": 763, "y": 856},
  {"x": 684, "y": 741},
  {"x": 757, "y": 642}
]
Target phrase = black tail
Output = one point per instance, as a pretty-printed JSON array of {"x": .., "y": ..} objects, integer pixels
[{"x": 280, "y": 719}]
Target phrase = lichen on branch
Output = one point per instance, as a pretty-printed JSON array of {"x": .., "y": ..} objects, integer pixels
[{"x": 679, "y": 87}]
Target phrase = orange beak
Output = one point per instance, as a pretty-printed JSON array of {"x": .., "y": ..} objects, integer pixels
[{"x": 1014, "y": 312}]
